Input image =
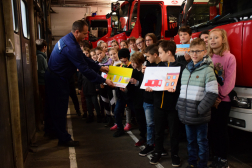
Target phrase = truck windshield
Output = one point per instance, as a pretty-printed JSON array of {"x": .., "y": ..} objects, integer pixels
[
  {"x": 98, "y": 29},
  {"x": 218, "y": 11}
]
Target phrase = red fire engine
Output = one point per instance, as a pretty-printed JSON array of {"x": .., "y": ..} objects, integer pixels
[
  {"x": 137, "y": 18},
  {"x": 236, "y": 18}
]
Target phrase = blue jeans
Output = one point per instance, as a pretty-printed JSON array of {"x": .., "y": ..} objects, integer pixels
[
  {"x": 119, "y": 110},
  {"x": 197, "y": 144},
  {"x": 149, "y": 114}
]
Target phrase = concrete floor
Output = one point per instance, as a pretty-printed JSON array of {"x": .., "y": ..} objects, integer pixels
[{"x": 99, "y": 149}]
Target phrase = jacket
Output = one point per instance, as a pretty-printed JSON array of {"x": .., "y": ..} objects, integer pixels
[
  {"x": 139, "y": 93},
  {"x": 67, "y": 56},
  {"x": 130, "y": 88},
  {"x": 89, "y": 88},
  {"x": 164, "y": 99},
  {"x": 199, "y": 90},
  {"x": 42, "y": 66}
]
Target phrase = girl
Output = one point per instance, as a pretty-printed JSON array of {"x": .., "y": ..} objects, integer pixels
[
  {"x": 93, "y": 55},
  {"x": 150, "y": 38},
  {"x": 115, "y": 45},
  {"x": 104, "y": 46},
  {"x": 140, "y": 44},
  {"x": 86, "y": 52},
  {"x": 124, "y": 44},
  {"x": 105, "y": 91},
  {"x": 137, "y": 59},
  {"x": 103, "y": 59},
  {"x": 113, "y": 53},
  {"x": 225, "y": 69}
]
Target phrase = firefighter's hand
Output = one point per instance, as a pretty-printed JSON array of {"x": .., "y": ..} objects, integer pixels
[
  {"x": 133, "y": 81},
  {"x": 187, "y": 57},
  {"x": 104, "y": 69},
  {"x": 148, "y": 89},
  {"x": 171, "y": 90},
  {"x": 143, "y": 69},
  {"x": 110, "y": 83},
  {"x": 122, "y": 89},
  {"x": 217, "y": 102}
]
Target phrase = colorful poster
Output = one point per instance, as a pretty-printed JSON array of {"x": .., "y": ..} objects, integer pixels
[
  {"x": 160, "y": 78},
  {"x": 182, "y": 48},
  {"x": 119, "y": 75}
]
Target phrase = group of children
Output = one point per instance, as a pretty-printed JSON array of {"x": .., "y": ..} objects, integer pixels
[{"x": 199, "y": 102}]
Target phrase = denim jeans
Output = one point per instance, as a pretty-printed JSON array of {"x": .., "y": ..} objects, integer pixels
[
  {"x": 149, "y": 114},
  {"x": 119, "y": 110},
  {"x": 197, "y": 144}
]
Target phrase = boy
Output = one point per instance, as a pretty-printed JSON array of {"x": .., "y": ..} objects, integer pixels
[
  {"x": 132, "y": 45},
  {"x": 164, "y": 107},
  {"x": 185, "y": 34},
  {"x": 153, "y": 59},
  {"x": 124, "y": 95},
  {"x": 199, "y": 90}
]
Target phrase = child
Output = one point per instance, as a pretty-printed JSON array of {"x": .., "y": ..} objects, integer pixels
[
  {"x": 151, "y": 53},
  {"x": 113, "y": 53},
  {"x": 185, "y": 34},
  {"x": 86, "y": 52},
  {"x": 199, "y": 90},
  {"x": 150, "y": 39},
  {"x": 204, "y": 35},
  {"x": 225, "y": 69},
  {"x": 93, "y": 55},
  {"x": 104, "y": 46},
  {"x": 115, "y": 45},
  {"x": 105, "y": 91},
  {"x": 89, "y": 90},
  {"x": 140, "y": 44},
  {"x": 124, "y": 95},
  {"x": 103, "y": 59},
  {"x": 132, "y": 45},
  {"x": 137, "y": 59},
  {"x": 164, "y": 107},
  {"x": 124, "y": 44}
]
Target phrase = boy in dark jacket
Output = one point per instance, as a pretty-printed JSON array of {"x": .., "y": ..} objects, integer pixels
[
  {"x": 124, "y": 95},
  {"x": 199, "y": 90},
  {"x": 164, "y": 108}
]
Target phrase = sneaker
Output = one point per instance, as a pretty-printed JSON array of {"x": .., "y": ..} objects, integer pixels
[
  {"x": 155, "y": 158},
  {"x": 127, "y": 127},
  {"x": 70, "y": 143},
  {"x": 191, "y": 166},
  {"x": 118, "y": 133},
  {"x": 84, "y": 116},
  {"x": 148, "y": 149},
  {"x": 222, "y": 164},
  {"x": 163, "y": 153},
  {"x": 113, "y": 128},
  {"x": 176, "y": 162},
  {"x": 140, "y": 142},
  {"x": 214, "y": 162}
]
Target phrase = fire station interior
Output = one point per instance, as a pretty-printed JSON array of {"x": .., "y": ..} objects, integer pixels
[{"x": 23, "y": 143}]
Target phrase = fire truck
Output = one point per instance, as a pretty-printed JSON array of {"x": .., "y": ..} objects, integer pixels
[
  {"x": 236, "y": 18},
  {"x": 99, "y": 28},
  {"x": 137, "y": 18}
]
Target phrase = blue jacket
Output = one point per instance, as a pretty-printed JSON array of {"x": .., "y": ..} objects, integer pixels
[{"x": 67, "y": 56}]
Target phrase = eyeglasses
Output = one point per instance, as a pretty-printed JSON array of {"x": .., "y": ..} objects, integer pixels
[
  {"x": 149, "y": 40},
  {"x": 138, "y": 43},
  {"x": 196, "y": 51}
]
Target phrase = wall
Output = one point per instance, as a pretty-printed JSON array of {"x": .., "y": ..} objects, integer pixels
[{"x": 62, "y": 20}]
